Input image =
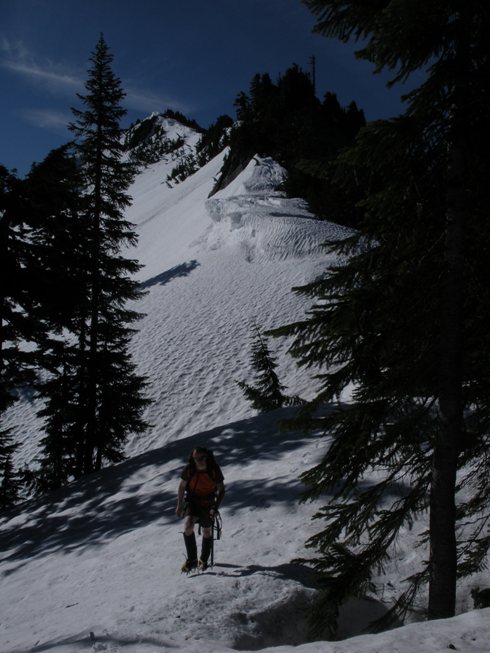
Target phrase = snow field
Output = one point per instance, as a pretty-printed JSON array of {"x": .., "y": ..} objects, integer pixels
[
  {"x": 212, "y": 267},
  {"x": 97, "y": 567},
  {"x": 104, "y": 556}
]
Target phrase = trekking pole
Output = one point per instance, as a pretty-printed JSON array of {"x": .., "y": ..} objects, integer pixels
[
  {"x": 212, "y": 541},
  {"x": 217, "y": 523}
]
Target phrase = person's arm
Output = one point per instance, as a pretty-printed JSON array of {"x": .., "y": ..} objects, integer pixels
[{"x": 180, "y": 498}]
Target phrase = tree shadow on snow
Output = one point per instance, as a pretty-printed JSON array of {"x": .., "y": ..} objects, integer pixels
[
  {"x": 97, "y": 642},
  {"x": 182, "y": 270},
  {"x": 288, "y": 571},
  {"x": 142, "y": 490}
]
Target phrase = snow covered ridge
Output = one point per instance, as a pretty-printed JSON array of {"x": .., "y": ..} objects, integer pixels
[
  {"x": 263, "y": 220},
  {"x": 158, "y": 138},
  {"x": 207, "y": 281}
]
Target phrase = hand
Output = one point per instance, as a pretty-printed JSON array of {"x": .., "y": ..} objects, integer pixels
[{"x": 178, "y": 510}]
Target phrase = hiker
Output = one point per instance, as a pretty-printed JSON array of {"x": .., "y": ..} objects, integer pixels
[{"x": 201, "y": 491}]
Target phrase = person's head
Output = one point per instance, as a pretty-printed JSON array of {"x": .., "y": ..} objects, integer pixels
[{"x": 199, "y": 457}]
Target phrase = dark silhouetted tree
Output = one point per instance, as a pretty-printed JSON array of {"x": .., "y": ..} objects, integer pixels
[
  {"x": 267, "y": 392},
  {"x": 111, "y": 392},
  {"x": 53, "y": 201},
  {"x": 285, "y": 120},
  {"x": 401, "y": 316},
  {"x": 17, "y": 363}
]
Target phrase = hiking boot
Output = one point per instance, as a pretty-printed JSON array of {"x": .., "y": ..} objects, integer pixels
[
  {"x": 207, "y": 547},
  {"x": 188, "y": 566},
  {"x": 203, "y": 564}
]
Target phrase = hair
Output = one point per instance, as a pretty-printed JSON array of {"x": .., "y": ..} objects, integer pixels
[
  {"x": 201, "y": 450},
  {"x": 210, "y": 461}
]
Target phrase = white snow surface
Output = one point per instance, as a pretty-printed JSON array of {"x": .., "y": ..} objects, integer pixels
[
  {"x": 96, "y": 566},
  {"x": 212, "y": 267}
]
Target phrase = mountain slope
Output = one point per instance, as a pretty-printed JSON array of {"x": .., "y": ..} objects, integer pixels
[
  {"x": 104, "y": 555},
  {"x": 212, "y": 266}
]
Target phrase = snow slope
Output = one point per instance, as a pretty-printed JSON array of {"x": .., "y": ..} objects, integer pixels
[
  {"x": 105, "y": 555},
  {"x": 97, "y": 566},
  {"x": 212, "y": 266}
]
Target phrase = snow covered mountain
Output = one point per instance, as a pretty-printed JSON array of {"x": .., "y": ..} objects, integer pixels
[
  {"x": 96, "y": 566},
  {"x": 212, "y": 266}
]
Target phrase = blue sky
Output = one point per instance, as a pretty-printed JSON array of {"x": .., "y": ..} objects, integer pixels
[{"x": 193, "y": 56}]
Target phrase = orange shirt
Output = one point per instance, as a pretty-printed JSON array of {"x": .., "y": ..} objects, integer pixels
[{"x": 202, "y": 483}]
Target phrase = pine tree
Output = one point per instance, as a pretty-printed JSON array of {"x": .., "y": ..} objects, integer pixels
[
  {"x": 267, "y": 392},
  {"x": 110, "y": 391},
  {"x": 11, "y": 483},
  {"x": 401, "y": 315},
  {"x": 6, "y": 335},
  {"x": 52, "y": 211},
  {"x": 16, "y": 325},
  {"x": 214, "y": 140},
  {"x": 58, "y": 266},
  {"x": 285, "y": 120}
]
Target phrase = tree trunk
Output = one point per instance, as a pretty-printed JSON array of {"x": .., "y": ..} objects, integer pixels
[
  {"x": 443, "y": 555},
  {"x": 442, "y": 582},
  {"x": 443, "y": 549},
  {"x": 81, "y": 426},
  {"x": 94, "y": 311}
]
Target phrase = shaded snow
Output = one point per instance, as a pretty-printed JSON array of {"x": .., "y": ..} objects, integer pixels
[{"x": 104, "y": 556}]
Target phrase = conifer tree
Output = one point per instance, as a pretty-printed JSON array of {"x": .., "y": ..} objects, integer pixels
[
  {"x": 285, "y": 120},
  {"x": 16, "y": 324},
  {"x": 267, "y": 392},
  {"x": 6, "y": 335},
  {"x": 52, "y": 194},
  {"x": 214, "y": 140},
  {"x": 401, "y": 315},
  {"x": 56, "y": 232},
  {"x": 111, "y": 392},
  {"x": 11, "y": 482}
]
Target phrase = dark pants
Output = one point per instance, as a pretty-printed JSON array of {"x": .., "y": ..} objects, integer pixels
[{"x": 199, "y": 513}]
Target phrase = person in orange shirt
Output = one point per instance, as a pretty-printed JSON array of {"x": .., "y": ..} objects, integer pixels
[{"x": 200, "y": 493}]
